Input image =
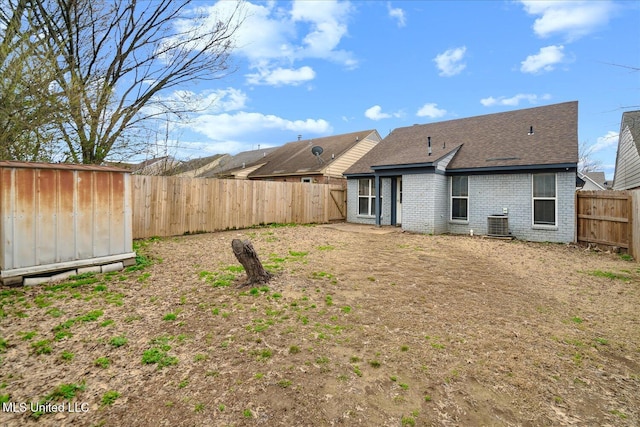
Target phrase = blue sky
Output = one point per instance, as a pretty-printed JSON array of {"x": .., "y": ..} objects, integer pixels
[{"x": 319, "y": 68}]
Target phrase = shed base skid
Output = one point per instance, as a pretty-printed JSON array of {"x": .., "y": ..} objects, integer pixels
[{"x": 56, "y": 272}]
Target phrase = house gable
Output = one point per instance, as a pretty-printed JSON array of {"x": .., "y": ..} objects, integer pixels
[{"x": 627, "y": 173}]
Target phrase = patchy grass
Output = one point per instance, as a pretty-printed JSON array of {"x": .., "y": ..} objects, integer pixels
[
  {"x": 404, "y": 343},
  {"x": 609, "y": 275}
]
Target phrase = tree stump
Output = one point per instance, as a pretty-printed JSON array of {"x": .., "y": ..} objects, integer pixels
[{"x": 247, "y": 256}]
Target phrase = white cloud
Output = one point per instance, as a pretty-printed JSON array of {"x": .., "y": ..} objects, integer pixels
[
  {"x": 610, "y": 139},
  {"x": 327, "y": 26},
  {"x": 572, "y": 18},
  {"x": 206, "y": 102},
  {"x": 375, "y": 113},
  {"x": 544, "y": 60},
  {"x": 274, "y": 35},
  {"x": 431, "y": 110},
  {"x": 450, "y": 62},
  {"x": 397, "y": 14},
  {"x": 514, "y": 100},
  {"x": 282, "y": 76},
  {"x": 226, "y": 126}
]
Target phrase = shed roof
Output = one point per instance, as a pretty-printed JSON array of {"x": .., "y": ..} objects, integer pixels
[
  {"x": 67, "y": 166},
  {"x": 488, "y": 141},
  {"x": 296, "y": 157}
]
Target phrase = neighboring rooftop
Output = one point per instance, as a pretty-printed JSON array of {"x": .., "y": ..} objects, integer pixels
[
  {"x": 240, "y": 160},
  {"x": 296, "y": 157}
]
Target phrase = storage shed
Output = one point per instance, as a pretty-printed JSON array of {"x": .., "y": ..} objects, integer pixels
[{"x": 63, "y": 218}]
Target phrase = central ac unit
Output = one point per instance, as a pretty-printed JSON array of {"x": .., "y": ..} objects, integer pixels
[{"x": 498, "y": 225}]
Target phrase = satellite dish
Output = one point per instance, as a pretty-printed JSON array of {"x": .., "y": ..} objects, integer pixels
[{"x": 316, "y": 151}]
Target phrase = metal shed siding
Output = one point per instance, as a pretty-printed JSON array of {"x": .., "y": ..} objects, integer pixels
[{"x": 53, "y": 214}]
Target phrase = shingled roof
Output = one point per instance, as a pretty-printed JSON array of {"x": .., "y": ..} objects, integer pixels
[
  {"x": 238, "y": 161},
  {"x": 484, "y": 142},
  {"x": 296, "y": 157}
]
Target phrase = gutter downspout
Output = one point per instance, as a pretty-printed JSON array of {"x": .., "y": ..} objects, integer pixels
[{"x": 378, "y": 197}]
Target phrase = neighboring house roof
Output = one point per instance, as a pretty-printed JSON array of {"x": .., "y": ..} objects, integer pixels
[
  {"x": 593, "y": 180},
  {"x": 157, "y": 166},
  {"x": 488, "y": 142},
  {"x": 296, "y": 158},
  {"x": 195, "y": 167},
  {"x": 239, "y": 161},
  {"x": 627, "y": 173}
]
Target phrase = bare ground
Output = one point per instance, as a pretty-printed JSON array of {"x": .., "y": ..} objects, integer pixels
[{"x": 360, "y": 326}]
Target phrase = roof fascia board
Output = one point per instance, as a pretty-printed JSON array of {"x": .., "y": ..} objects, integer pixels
[{"x": 406, "y": 166}]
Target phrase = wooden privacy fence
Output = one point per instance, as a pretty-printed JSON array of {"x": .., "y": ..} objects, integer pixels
[
  {"x": 170, "y": 206},
  {"x": 609, "y": 218}
]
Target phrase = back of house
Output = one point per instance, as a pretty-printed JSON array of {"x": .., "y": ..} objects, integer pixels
[{"x": 504, "y": 174}]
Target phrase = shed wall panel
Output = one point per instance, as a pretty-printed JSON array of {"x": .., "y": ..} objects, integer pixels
[
  {"x": 102, "y": 208},
  {"x": 24, "y": 218},
  {"x": 65, "y": 215},
  {"x": 83, "y": 240},
  {"x": 58, "y": 215},
  {"x": 47, "y": 225}
]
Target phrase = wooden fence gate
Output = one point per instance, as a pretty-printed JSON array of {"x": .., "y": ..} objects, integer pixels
[
  {"x": 606, "y": 218},
  {"x": 338, "y": 207}
]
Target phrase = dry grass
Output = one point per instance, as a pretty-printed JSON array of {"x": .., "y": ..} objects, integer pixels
[{"x": 355, "y": 329}]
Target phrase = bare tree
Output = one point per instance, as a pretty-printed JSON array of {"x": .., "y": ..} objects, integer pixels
[
  {"x": 27, "y": 106},
  {"x": 116, "y": 60},
  {"x": 586, "y": 162}
]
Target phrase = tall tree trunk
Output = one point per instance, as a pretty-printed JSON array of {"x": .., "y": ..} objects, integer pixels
[{"x": 247, "y": 256}]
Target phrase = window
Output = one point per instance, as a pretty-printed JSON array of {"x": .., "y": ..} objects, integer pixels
[
  {"x": 366, "y": 197},
  {"x": 544, "y": 199},
  {"x": 306, "y": 180},
  {"x": 460, "y": 198}
]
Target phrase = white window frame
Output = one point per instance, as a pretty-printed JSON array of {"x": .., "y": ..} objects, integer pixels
[
  {"x": 541, "y": 198},
  {"x": 310, "y": 180},
  {"x": 371, "y": 197},
  {"x": 451, "y": 197}
]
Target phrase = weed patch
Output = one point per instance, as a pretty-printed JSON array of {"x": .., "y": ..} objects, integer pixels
[
  {"x": 609, "y": 275},
  {"x": 109, "y": 398},
  {"x": 157, "y": 353}
]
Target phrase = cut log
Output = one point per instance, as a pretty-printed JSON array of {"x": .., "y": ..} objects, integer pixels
[{"x": 247, "y": 256}]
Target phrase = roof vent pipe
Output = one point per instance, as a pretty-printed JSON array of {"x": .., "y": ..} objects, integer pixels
[
  {"x": 429, "y": 145},
  {"x": 530, "y": 130}
]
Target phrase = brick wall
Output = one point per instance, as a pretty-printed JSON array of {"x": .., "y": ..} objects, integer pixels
[
  {"x": 489, "y": 194},
  {"x": 426, "y": 205}
]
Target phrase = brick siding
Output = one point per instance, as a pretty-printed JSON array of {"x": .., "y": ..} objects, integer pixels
[{"x": 426, "y": 205}]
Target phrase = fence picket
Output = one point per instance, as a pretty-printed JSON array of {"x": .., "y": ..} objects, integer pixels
[{"x": 169, "y": 206}]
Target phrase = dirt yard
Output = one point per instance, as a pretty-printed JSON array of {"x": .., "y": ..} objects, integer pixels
[{"x": 359, "y": 326}]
